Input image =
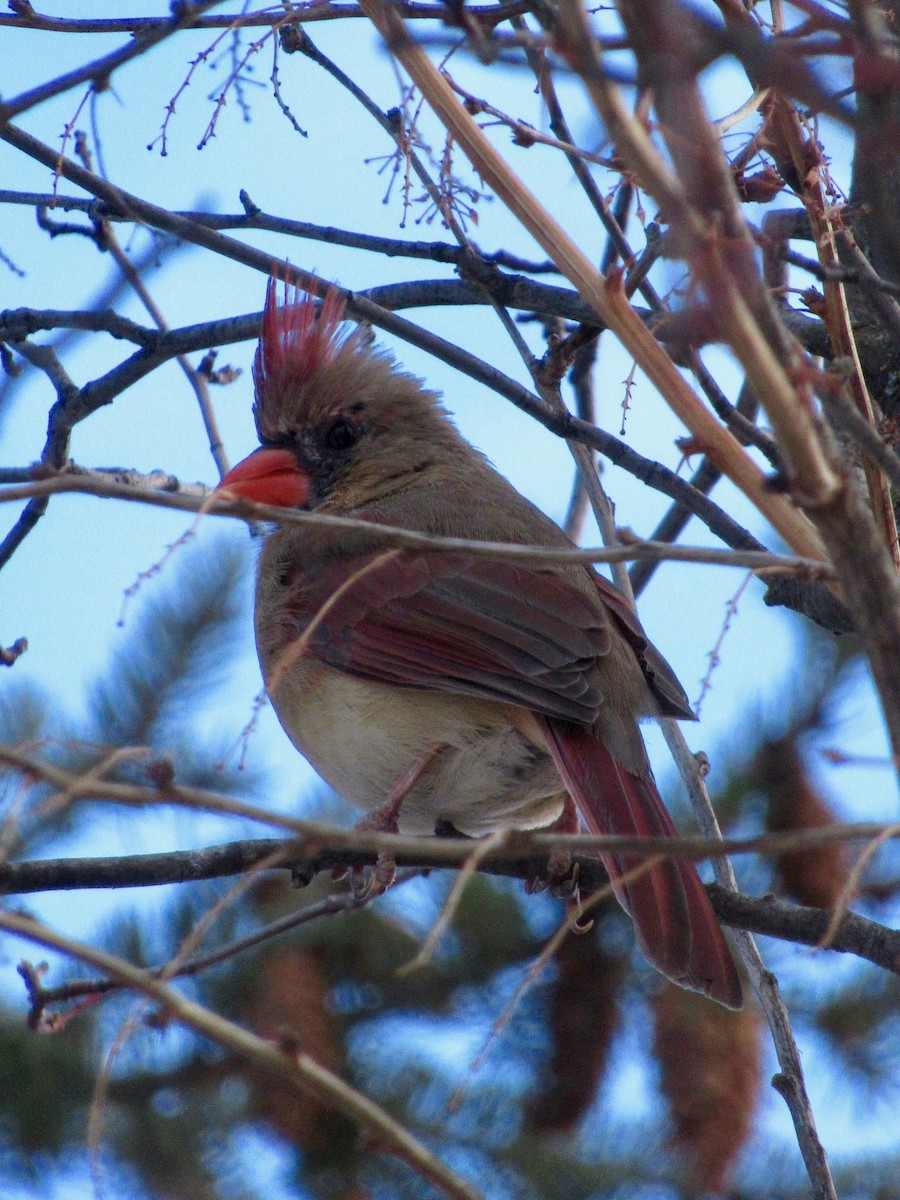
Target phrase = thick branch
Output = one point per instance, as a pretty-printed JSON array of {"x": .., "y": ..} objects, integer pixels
[
  {"x": 805, "y": 926},
  {"x": 808, "y": 926}
]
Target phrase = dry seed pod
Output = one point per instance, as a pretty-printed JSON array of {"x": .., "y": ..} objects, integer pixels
[
  {"x": 584, "y": 1015},
  {"x": 817, "y": 876},
  {"x": 710, "y": 1072},
  {"x": 291, "y": 1007}
]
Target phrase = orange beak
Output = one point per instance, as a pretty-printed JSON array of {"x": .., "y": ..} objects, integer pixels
[{"x": 268, "y": 477}]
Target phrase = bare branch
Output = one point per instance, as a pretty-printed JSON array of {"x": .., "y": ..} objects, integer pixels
[
  {"x": 313, "y": 836},
  {"x": 855, "y": 934},
  {"x": 42, "y": 998},
  {"x": 186, "y": 498},
  {"x": 98, "y": 73},
  {"x": 298, "y": 1069},
  {"x": 28, "y": 18},
  {"x": 10, "y": 654}
]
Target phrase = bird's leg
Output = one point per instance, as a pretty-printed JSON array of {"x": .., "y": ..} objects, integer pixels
[
  {"x": 559, "y": 875},
  {"x": 385, "y": 819}
]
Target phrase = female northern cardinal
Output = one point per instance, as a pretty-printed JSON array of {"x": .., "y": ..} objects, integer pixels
[{"x": 433, "y": 687}]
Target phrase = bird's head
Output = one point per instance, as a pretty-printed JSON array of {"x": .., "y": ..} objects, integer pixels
[{"x": 339, "y": 423}]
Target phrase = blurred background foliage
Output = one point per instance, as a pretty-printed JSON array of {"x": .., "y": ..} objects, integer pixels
[{"x": 523, "y": 1093}]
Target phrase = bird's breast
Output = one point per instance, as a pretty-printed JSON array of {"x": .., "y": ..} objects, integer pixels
[{"x": 479, "y": 772}]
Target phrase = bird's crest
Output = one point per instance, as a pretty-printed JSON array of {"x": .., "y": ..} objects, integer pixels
[{"x": 299, "y": 341}]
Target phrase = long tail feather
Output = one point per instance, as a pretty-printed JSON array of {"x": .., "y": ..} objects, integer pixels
[{"x": 675, "y": 924}]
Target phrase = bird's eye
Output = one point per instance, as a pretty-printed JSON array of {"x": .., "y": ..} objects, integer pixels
[{"x": 341, "y": 435}]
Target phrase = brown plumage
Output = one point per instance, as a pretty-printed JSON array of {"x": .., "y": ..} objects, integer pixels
[{"x": 449, "y": 687}]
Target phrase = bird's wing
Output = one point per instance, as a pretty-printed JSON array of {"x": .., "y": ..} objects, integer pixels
[
  {"x": 453, "y": 622},
  {"x": 661, "y": 679}
]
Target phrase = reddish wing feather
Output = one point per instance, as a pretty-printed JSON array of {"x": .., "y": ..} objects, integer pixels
[
  {"x": 675, "y": 923},
  {"x": 449, "y": 622}
]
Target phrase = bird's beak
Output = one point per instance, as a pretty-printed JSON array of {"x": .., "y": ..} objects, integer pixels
[{"x": 269, "y": 477}]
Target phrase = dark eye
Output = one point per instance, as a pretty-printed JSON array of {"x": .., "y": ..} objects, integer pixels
[{"x": 341, "y": 435}]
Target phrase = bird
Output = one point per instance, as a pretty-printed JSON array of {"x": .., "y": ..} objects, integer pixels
[{"x": 449, "y": 689}]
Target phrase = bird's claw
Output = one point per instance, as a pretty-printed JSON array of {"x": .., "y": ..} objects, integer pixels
[
  {"x": 368, "y": 883},
  {"x": 564, "y": 880},
  {"x": 559, "y": 877},
  {"x": 560, "y": 874}
]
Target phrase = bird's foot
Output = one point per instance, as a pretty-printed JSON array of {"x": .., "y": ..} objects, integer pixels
[
  {"x": 368, "y": 883},
  {"x": 560, "y": 874}
]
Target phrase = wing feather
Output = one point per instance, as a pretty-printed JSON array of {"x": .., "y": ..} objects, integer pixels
[
  {"x": 491, "y": 629},
  {"x": 661, "y": 679}
]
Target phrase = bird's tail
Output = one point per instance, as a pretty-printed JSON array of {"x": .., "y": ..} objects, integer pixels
[{"x": 675, "y": 924}]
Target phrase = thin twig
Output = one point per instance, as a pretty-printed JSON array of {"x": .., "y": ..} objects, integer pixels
[
  {"x": 10, "y": 654},
  {"x": 844, "y": 413},
  {"x": 609, "y": 302},
  {"x": 221, "y": 504},
  {"x": 100, "y": 70},
  {"x": 298, "y": 1069}
]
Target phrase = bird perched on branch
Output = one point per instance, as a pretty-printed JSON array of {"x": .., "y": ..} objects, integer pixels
[{"x": 451, "y": 687}]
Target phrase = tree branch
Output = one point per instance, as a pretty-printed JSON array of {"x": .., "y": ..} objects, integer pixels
[
  {"x": 123, "y": 485},
  {"x": 276, "y": 1061},
  {"x": 855, "y": 934}
]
